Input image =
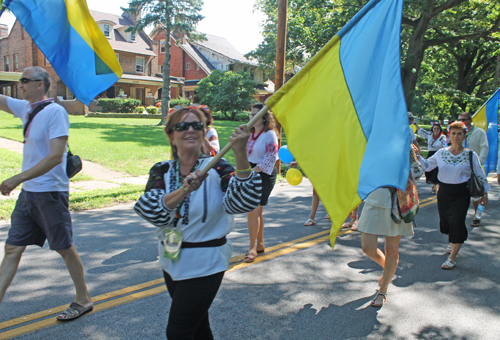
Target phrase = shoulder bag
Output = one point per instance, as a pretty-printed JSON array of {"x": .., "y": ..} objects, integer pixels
[{"x": 476, "y": 188}]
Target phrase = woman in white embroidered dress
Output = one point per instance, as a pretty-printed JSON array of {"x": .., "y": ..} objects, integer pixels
[
  {"x": 435, "y": 140},
  {"x": 194, "y": 214},
  {"x": 262, "y": 151},
  {"x": 211, "y": 145},
  {"x": 453, "y": 196}
]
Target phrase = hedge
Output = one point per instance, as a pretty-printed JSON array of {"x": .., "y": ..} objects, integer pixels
[
  {"x": 152, "y": 110},
  {"x": 118, "y": 105}
]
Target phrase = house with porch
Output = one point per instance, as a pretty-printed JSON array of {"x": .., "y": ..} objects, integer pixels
[
  {"x": 137, "y": 54},
  {"x": 195, "y": 60}
]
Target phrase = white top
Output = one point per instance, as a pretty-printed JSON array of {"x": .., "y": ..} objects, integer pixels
[
  {"x": 454, "y": 169},
  {"x": 478, "y": 142},
  {"x": 52, "y": 122},
  {"x": 263, "y": 151},
  {"x": 207, "y": 214},
  {"x": 213, "y": 138},
  {"x": 433, "y": 144},
  {"x": 412, "y": 135}
]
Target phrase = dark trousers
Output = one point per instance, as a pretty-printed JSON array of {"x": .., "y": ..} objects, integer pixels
[
  {"x": 453, "y": 202},
  {"x": 191, "y": 299}
]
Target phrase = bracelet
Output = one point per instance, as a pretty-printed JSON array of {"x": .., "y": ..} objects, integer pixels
[{"x": 244, "y": 170}]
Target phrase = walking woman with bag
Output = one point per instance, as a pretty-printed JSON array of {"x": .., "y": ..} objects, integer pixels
[
  {"x": 453, "y": 197},
  {"x": 435, "y": 140},
  {"x": 194, "y": 213}
]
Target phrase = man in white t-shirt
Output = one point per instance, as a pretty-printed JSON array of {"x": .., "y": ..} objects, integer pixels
[
  {"x": 41, "y": 211},
  {"x": 476, "y": 141}
]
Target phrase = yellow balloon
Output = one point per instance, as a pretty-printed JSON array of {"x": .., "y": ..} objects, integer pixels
[{"x": 293, "y": 176}]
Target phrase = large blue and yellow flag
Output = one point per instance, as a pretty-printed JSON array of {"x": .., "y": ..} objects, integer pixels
[
  {"x": 486, "y": 118},
  {"x": 69, "y": 37},
  {"x": 344, "y": 113}
]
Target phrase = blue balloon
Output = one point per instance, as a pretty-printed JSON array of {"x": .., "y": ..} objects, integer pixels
[{"x": 285, "y": 155}]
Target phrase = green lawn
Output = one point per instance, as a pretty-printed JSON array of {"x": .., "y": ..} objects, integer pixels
[
  {"x": 127, "y": 145},
  {"x": 10, "y": 164}
]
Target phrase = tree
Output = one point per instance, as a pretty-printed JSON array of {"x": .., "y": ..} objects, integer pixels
[
  {"x": 174, "y": 16},
  {"x": 426, "y": 24},
  {"x": 229, "y": 92}
]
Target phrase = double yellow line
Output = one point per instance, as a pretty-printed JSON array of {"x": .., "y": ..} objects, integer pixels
[{"x": 153, "y": 287}]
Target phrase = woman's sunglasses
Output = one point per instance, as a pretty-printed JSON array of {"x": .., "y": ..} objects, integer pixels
[{"x": 184, "y": 126}]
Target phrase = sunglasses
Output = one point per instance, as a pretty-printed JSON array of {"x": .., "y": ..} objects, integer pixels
[
  {"x": 463, "y": 119},
  {"x": 27, "y": 80},
  {"x": 184, "y": 126}
]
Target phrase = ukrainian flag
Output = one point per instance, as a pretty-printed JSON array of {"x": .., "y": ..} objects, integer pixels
[
  {"x": 345, "y": 115},
  {"x": 69, "y": 37},
  {"x": 486, "y": 118}
]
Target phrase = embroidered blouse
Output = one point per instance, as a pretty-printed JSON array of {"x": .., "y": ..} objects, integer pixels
[
  {"x": 207, "y": 214},
  {"x": 263, "y": 150},
  {"x": 433, "y": 144},
  {"x": 213, "y": 138},
  {"x": 454, "y": 169}
]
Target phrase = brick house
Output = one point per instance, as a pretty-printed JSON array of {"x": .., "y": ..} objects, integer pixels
[
  {"x": 136, "y": 53},
  {"x": 194, "y": 61}
]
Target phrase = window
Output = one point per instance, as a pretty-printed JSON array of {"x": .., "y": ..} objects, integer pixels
[
  {"x": 245, "y": 69},
  {"x": 16, "y": 63},
  {"x": 132, "y": 36},
  {"x": 230, "y": 67},
  {"x": 45, "y": 61},
  {"x": 105, "y": 30},
  {"x": 161, "y": 69},
  {"x": 252, "y": 73},
  {"x": 162, "y": 46},
  {"x": 196, "y": 67},
  {"x": 6, "y": 63},
  {"x": 188, "y": 65},
  {"x": 117, "y": 57},
  {"x": 69, "y": 94},
  {"x": 139, "y": 64},
  {"x": 22, "y": 33}
]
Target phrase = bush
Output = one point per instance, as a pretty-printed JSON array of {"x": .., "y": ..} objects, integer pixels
[
  {"x": 139, "y": 109},
  {"x": 152, "y": 110},
  {"x": 179, "y": 101},
  {"x": 118, "y": 105}
]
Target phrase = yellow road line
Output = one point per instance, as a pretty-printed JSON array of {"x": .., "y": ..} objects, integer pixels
[
  {"x": 270, "y": 254},
  {"x": 429, "y": 203}
]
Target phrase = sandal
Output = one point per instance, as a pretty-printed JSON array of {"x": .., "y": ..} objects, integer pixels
[
  {"x": 249, "y": 257},
  {"x": 347, "y": 224},
  {"x": 434, "y": 190},
  {"x": 475, "y": 223},
  {"x": 379, "y": 304},
  {"x": 309, "y": 222},
  {"x": 449, "y": 264},
  {"x": 327, "y": 217},
  {"x": 355, "y": 224},
  {"x": 73, "y": 312},
  {"x": 448, "y": 250},
  {"x": 261, "y": 251}
]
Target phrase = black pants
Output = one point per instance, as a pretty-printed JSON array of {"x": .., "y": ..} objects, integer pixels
[
  {"x": 191, "y": 299},
  {"x": 453, "y": 202},
  {"x": 432, "y": 176}
]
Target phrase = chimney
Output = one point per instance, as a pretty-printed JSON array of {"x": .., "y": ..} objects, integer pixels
[
  {"x": 4, "y": 31},
  {"x": 132, "y": 16},
  {"x": 182, "y": 36}
]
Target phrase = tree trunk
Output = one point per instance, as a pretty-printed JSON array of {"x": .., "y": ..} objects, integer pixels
[
  {"x": 414, "y": 58},
  {"x": 165, "y": 93}
]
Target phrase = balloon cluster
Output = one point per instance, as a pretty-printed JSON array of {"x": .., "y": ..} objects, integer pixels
[{"x": 293, "y": 176}]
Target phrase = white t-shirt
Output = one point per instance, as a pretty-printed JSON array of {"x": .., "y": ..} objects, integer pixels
[
  {"x": 52, "y": 122},
  {"x": 263, "y": 151}
]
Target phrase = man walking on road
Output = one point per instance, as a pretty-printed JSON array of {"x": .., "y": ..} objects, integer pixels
[
  {"x": 41, "y": 211},
  {"x": 476, "y": 141}
]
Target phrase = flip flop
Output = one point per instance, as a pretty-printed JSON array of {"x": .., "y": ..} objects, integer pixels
[
  {"x": 327, "y": 217},
  {"x": 355, "y": 224},
  {"x": 309, "y": 222},
  {"x": 375, "y": 304},
  {"x": 74, "y": 311},
  {"x": 249, "y": 257},
  {"x": 261, "y": 251},
  {"x": 347, "y": 224},
  {"x": 475, "y": 223}
]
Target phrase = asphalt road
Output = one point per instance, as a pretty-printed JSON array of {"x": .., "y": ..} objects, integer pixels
[{"x": 299, "y": 289}]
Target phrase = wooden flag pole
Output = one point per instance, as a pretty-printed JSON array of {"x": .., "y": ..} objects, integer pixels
[{"x": 229, "y": 145}]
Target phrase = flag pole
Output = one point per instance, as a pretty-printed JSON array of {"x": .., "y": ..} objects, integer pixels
[{"x": 229, "y": 145}]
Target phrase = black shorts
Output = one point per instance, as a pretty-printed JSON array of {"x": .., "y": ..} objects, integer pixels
[
  {"x": 40, "y": 216},
  {"x": 268, "y": 182}
]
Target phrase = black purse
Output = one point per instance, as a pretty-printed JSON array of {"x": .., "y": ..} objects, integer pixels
[
  {"x": 476, "y": 188},
  {"x": 73, "y": 162}
]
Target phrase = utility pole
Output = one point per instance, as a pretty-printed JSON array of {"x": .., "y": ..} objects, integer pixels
[
  {"x": 496, "y": 73},
  {"x": 280, "y": 60}
]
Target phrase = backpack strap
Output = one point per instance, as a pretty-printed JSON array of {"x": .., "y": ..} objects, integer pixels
[{"x": 32, "y": 115}]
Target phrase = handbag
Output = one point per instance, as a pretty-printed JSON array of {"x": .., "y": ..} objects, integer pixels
[
  {"x": 476, "y": 188},
  {"x": 408, "y": 202},
  {"x": 73, "y": 162},
  {"x": 415, "y": 167}
]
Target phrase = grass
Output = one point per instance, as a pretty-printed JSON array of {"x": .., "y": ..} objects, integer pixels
[
  {"x": 10, "y": 164},
  {"x": 87, "y": 200}
]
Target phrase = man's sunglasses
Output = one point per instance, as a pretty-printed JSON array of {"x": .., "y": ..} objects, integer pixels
[
  {"x": 27, "y": 80},
  {"x": 464, "y": 119},
  {"x": 184, "y": 126}
]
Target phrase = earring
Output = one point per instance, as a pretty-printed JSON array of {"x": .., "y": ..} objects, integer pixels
[{"x": 174, "y": 152}]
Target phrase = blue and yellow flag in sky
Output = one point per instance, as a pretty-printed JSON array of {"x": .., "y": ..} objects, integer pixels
[
  {"x": 344, "y": 113},
  {"x": 486, "y": 118},
  {"x": 69, "y": 37}
]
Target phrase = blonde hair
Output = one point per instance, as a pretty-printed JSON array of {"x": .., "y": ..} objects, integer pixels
[{"x": 175, "y": 118}]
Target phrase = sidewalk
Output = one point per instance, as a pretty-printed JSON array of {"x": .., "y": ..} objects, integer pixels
[{"x": 104, "y": 178}]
